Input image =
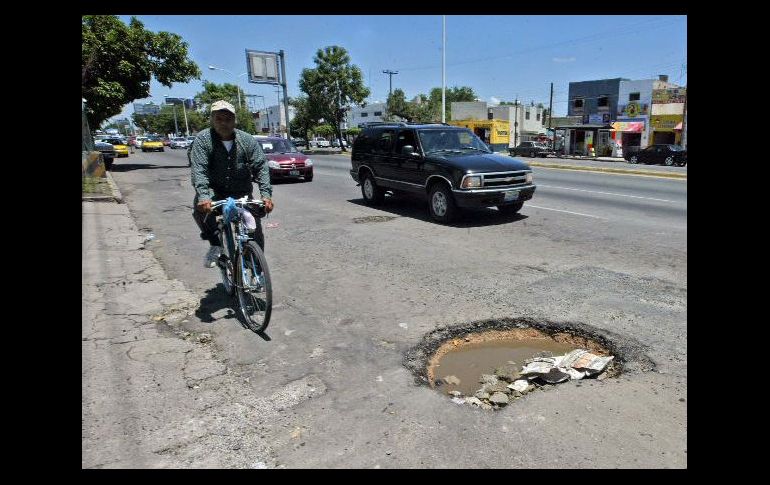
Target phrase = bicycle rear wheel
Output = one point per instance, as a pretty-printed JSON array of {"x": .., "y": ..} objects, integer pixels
[{"x": 254, "y": 289}]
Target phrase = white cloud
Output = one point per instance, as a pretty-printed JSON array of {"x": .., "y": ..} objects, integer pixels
[
  {"x": 493, "y": 101},
  {"x": 563, "y": 59}
]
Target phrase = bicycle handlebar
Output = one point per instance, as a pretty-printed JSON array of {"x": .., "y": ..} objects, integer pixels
[{"x": 242, "y": 201}]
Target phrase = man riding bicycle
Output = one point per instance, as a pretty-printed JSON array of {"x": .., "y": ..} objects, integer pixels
[{"x": 223, "y": 162}]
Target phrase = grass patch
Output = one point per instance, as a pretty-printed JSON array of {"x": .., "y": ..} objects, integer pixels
[{"x": 96, "y": 185}]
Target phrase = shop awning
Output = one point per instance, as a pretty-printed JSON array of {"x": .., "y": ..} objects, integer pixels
[
  {"x": 629, "y": 126},
  {"x": 679, "y": 126}
]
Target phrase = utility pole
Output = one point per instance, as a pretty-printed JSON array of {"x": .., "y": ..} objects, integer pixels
[
  {"x": 285, "y": 92},
  {"x": 390, "y": 74},
  {"x": 683, "y": 141},
  {"x": 550, "y": 115},
  {"x": 443, "y": 68},
  {"x": 516, "y": 122}
]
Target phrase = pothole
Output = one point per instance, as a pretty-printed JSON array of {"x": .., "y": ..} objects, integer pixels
[
  {"x": 492, "y": 363},
  {"x": 370, "y": 219}
]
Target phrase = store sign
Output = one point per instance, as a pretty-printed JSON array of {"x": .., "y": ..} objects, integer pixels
[
  {"x": 633, "y": 109},
  {"x": 666, "y": 96},
  {"x": 665, "y": 122},
  {"x": 595, "y": 119}
]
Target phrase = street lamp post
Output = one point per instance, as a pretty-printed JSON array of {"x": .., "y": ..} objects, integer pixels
[
  {"x": 184, "y": 110},
  {"x": 237, "y": 87}
]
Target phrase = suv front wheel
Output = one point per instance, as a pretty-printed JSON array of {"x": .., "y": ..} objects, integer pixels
[
  {"x": 441, "y": 203},
  {"x": 373, "y": 195}
]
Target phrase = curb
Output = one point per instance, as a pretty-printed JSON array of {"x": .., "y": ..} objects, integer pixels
[
  {"x": 114, "y": 187},
  {"x": 115, "y": 196},
  {"x": 611, "y": 170}
]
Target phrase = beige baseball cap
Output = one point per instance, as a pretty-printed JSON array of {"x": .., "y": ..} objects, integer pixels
[{"x": 222, "y": 105}]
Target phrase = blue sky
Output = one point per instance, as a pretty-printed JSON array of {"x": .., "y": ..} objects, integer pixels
[{"x": 500, "y": 57}]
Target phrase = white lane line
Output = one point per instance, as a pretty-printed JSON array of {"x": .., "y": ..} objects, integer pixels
[
  {"x": 606, "y": 193},
  {"x": 568, "y": 212}
]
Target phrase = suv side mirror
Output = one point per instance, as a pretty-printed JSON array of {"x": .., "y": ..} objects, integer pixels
[{"x": 408, "y": 150}]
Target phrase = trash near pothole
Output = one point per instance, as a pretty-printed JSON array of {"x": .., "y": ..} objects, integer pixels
[
  {"x": 369, "y": 219},
  {"x": 491, "y": 364}
]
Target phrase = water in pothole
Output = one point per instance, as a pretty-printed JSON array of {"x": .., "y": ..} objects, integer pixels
[{"x": 468, "y": 361}]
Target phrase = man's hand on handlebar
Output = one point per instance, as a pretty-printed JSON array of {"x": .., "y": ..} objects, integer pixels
[
  {"x": 268, "y": 205},
  {"x": 204, "y": 206}
]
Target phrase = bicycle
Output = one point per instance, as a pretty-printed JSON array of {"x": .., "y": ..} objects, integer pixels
[{"x": 243, "y": 264}]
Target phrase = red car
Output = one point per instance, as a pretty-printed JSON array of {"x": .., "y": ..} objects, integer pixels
[{"x": 284, "y": 160}]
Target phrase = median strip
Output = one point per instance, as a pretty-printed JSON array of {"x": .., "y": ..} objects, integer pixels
[{"x": 611, "y": 170}]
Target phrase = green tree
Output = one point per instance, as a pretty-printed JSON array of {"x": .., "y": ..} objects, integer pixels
[
  {"x": 118, "y": 61},
  {"x": 325, "y": 130},
  {"x": 304, "y": 118},
  {"x": 453, "y": 94},
  {"x": 399, "y": 106},
  {"x": 333, "y": 86},
  {"x": 229, "y": 92}
]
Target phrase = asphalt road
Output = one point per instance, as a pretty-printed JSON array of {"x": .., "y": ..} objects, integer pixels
[{"x": 351, "y": 298}]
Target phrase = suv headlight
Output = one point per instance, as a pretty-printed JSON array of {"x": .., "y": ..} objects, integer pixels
[
  {"x": 470, "y": 182},
  {"x": 528, "y": 178},
  {"x": 308, "y": 163},
  {"x": 273, "y": 164}
]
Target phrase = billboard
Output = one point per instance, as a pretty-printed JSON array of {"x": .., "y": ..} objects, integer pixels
[
  {"x": 263, "y": 67},
  {"x": 633, "y": 109},
  {"x": 666, "y": 96}
]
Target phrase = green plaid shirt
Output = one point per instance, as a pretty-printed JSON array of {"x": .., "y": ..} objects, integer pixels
[{"x": 218, "y": 173}]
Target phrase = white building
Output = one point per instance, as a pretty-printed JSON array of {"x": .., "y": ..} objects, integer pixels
[
  {"x": 370, "y": 113},
  {"x": 273, "y": 119},
  {"x": 640, "y": 117},
  {"x": 526, "y": 120}
]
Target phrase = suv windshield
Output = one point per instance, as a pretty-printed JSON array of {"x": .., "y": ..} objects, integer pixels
[
  {"x": 277, "y": 146},
  {"x": 450, "y": 140}
]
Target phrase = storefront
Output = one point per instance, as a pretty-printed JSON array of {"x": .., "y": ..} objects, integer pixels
[
  {"x": 495, "y": 133},
  {"x": 585, "y": 140},
  {"x": 627, "y": 134},
  {"x": 663, "y": 129}
]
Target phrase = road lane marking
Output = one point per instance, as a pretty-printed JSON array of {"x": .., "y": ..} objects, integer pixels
[
  {"x": 568, "y": 212},
  {"x": 606, "y": 193}
]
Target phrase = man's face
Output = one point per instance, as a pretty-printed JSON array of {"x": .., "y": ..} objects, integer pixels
[{"x": 223, "y": 122}]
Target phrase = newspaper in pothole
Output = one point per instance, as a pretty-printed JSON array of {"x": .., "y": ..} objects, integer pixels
[{"x": 577, "y": 364}]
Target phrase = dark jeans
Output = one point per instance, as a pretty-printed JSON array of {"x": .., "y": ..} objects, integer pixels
[{"x": 210, "y": 231}]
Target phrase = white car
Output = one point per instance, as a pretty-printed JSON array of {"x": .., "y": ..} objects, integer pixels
[
  {"x": 179, "y": 142},
  {"x": 319, "y": 142},
  {"x": 140, "y": 140}
]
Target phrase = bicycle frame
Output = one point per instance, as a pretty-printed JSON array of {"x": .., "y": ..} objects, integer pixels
[{"x": 233, "y": 234}]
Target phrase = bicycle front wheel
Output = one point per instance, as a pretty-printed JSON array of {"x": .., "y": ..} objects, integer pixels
[{"x": 255, "y": 291}]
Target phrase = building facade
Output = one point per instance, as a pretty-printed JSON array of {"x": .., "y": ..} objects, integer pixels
[
  {"x": 272, "y": 120},
  {"x": 527, "y": 122},
  {"x": 357, "y": 116}
]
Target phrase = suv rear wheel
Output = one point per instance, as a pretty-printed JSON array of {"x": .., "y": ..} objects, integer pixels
[
  {"x": 373, "y": 195},
  {"x": 441, "y": 203}
]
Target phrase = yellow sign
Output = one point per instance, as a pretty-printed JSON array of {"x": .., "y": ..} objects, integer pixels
[{"x": 665, "y": 122}]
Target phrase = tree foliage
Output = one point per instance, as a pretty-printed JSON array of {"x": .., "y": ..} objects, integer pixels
[
  {"x": 163, "y": 122},
  {"x": 304, "y": 118},
  {"x": 118, "y": 61},
  {"x": 229, "y": 92},
  {"x": 398, "y": 106},
  {"x": 333, "y": 86}
]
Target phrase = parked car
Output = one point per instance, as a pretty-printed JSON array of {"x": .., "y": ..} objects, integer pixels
[
  {"x": 448, "y": 165},
  {"x": 530, "y": 149},
  {"x": 120, "y": 146},
  {"x": 166, "y": 141},
  {"x": 108, "y": 152},
  {"x": 153, "y": 143},
  {"x": 318, "y": 142},
  {"x": 299, "y": 142},
  {"x": 284, "y": 160},
  {"x": 666, "y": 154},
  {"x": 179, "y": 142},
  {"x": 336, "y": 143},
  {"x": 140, "y": 141}
]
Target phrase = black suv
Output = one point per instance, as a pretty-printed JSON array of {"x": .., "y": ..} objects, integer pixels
[{"x": 450, "y": 165}]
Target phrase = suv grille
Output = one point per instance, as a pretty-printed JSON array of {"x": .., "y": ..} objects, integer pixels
[{"x": 503, "y": 179}]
